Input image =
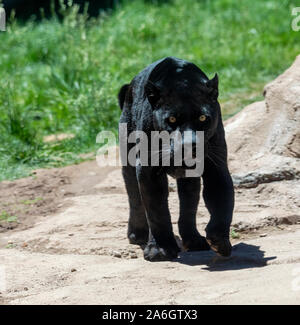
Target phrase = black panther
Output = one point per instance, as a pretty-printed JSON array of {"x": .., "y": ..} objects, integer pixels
[{"x": 173, "y": 94}]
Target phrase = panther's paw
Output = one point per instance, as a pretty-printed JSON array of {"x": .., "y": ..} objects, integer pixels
[
  {"x": 195, "y": 243},
  {"x": 154, "y": 253},
  {"x": 221, "y": 245},
  {"x": 138, "y": 237}
]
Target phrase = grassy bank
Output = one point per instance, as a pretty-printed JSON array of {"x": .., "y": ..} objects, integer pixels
[{"x": 63, "y": 77}]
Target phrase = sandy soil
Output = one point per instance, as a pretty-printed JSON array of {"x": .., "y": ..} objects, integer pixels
[{"x": 79, "y": 253}]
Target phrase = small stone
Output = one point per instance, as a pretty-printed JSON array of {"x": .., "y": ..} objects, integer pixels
[
  {"x": 73, "y": 270},
  {"x": 10, "y": 242},
  {"x": 24, "y": 245},
  {"x": 263, "y": 235},
  {"x": 70, "y": 235},
  {"x": 133, "y": 255},
  {"x": 290, "y": 220},
  {"x": 117, "y": 254},
  {"x": 25, "y": 289},
  {"x": 172, "y": 187}
]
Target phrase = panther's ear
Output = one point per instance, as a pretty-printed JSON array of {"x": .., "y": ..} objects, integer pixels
[
  {"x": 122, "y": 95},
  {"x": 152, "y": 92},
  {"x": 213, "y": 84}
]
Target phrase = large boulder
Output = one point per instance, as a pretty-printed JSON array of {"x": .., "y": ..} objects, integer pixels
[
  {"x": 264, "y": 138},
  {"x": 264, "y": 155}
]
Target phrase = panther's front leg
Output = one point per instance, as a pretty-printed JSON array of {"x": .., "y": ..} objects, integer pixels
[
  {"x": 189, "y": 193},
  {"x": 138, "y": 230},
  {"x": 218, "y": 194},
  {"x": 154, "y": 192}
]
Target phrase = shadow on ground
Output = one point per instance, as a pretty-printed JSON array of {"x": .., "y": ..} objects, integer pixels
[{"x": 244, "y": 256}]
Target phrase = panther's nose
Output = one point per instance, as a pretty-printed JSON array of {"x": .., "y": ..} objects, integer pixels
[{"x": 189, "y": 144}]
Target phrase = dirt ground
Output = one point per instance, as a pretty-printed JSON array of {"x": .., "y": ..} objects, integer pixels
[{"x": 70, "y": 247}]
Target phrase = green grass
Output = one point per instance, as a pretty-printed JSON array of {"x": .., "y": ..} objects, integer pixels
[
  {"x": 30, "y": 202},
  {"x": 5, "y": 216},
  {"x": 234, "y": 234},
  {"x": 64, "y": 76}
]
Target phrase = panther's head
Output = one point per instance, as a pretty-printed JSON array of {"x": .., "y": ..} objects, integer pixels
[{"x": 183, "y": 99}]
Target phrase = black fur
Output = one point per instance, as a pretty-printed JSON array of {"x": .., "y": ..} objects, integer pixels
[
  {"x": 179, "y": 88},
  {"x": 122, "y": 95}
]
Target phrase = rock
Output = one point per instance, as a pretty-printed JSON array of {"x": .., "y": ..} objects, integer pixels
[
  {"x": 133, "y": 255},
  {"x": 116, "y": 254},
  {"x": 253, "y": 179},
  {"x": 290, "y": 220},
  {"x": 172, "y": 187},
  {"x": 272, "y": 152},
  {"x": 264, "y": 148}
]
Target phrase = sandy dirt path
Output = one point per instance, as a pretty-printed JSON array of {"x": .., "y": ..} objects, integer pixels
[{"x": 80, "y": 255}]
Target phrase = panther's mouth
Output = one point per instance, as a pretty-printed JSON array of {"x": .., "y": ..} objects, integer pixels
[{"x": 176, "y": 172}]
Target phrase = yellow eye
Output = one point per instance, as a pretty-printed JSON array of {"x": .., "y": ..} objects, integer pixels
[
  {"x": 172, "y": 119},
  {"x": 202, "y": 118}
]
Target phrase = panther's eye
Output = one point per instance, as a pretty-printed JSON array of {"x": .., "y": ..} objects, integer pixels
[
  {"x": 202, "y": 118},
  {"x": 172, "y": 119}
]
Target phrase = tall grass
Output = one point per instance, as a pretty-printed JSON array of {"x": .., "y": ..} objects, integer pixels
[{"x": 63, "y": 76}]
